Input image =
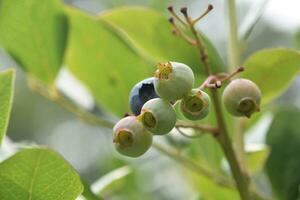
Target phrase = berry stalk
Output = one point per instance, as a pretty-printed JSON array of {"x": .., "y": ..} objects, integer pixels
[{"x": 241, "y": 179}]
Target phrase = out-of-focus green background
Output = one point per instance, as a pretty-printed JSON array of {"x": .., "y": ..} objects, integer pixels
[{"x": 89, "y": 149}]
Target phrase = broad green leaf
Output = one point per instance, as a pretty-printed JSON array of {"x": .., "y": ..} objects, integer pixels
[
  {"x": 104, "y": 62},
  {"x": 272, "y": 70},
  {"x": 36, "y": 174},
  {"x": 283, "y": 163},
  {"x": 256, "y": 159},
  {"x": 34, "y": 33},
  {"x": 110, "y": 56},
  {"x": 150, "y": 33},
  {"x": 6, "y": 98}
]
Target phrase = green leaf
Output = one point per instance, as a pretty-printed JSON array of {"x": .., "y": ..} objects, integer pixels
[
  {"x": 104, "y": 62},
  {"x": 110, "y": 55},
  {"x": 6, "y": 97},
  {"x": 256, "y": 159},
  {"x": 38, "y": 173},
  {"x": 272, "y": 70},
  {"x": 283, "y": 163},
  {"x": 34, "y": 33}
]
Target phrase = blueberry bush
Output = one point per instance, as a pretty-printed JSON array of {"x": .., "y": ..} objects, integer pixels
[{"x": 158, "y": 83}]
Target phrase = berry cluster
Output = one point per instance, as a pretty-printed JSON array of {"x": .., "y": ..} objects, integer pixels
[{"x": 151, "y": 101}]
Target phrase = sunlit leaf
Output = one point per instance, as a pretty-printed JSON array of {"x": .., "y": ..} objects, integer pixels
[
  {"x": 38, "y": 173},
  {"x": 34, "y": 33}
]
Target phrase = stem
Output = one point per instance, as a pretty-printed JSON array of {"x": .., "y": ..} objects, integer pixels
[
  {"x": 202, "y": 52},
  {"x": 239, "y": 127},
  {"x": 223, "y": 138},
  {"x": 234, "y": 61},
  {"x": 233, "y": 47}
]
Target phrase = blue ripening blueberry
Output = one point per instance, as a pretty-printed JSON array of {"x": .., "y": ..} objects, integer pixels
[
  {"x": 242, "y": 97},
  {"x": 131, "y": 138},
  {"x": 173, "y": 80},
  {"x": 158, "y": 116},
  {"x": 142, "y": 92}
]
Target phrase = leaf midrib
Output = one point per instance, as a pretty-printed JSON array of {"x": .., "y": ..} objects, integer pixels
[{"x": 36, "y": 166}]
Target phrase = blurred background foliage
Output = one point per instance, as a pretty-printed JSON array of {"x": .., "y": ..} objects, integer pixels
[{"x": 155, "y": 176}]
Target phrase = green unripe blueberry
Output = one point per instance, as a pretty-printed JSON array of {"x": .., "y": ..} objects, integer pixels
[
  {"x": 158, "y": 116},
  {"x": 130, "y": 137},
  {"x": 242, "y": 97},
  {"x": 173, "y": 80},
  {"x": 195, "y": 105}
]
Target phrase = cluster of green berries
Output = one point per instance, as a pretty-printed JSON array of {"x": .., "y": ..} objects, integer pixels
[{"x": 151, "y": 101}]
